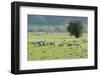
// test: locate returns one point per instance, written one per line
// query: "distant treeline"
(51, 28)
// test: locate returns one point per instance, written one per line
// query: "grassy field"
(49, 52)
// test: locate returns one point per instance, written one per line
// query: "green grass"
(49, 52)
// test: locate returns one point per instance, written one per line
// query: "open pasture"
(56, 46)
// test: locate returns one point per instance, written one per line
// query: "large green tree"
(75, 28)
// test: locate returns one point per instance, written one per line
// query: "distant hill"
(53, 20)
(50, 23)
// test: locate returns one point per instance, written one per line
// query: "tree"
(58, 29)
(75, 28)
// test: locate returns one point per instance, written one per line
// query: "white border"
(26, 65)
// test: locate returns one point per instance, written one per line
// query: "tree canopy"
(75, 28)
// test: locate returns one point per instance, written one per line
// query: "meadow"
(53, 52)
